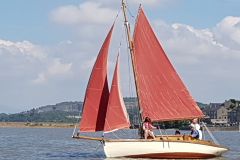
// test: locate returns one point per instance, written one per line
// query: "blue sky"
(47, 47)
(28, 20)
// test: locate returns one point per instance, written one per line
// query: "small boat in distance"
(161, 94)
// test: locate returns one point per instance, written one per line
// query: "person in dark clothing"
(177, 133)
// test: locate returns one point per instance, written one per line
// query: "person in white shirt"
(197, 127)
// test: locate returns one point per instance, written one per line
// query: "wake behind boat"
(162, 96)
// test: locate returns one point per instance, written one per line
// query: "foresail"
(163, 96)
(97, 93)
(117, 116)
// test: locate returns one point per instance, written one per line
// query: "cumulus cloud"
(26, 61)
(95, 11)
(149, 3)
(24, 48)
(135, 3)
(193, 45)
(58, 68)
(87, 13)
(228, 32)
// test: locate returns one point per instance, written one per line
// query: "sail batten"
(163, 95)
(97, 93)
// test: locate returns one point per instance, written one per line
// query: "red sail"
(163, 96)
(117, 116)
(97, 93)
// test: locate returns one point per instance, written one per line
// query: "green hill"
(66, 112)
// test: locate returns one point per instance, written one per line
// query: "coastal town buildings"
(217, 113)
(232, 116)
(223, 113)
(238, 112)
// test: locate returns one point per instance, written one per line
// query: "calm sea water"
(57, 144)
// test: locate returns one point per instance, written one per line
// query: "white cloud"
(58, 68)
(148, 3)
(228, 32)
(135, 3)
(65, 42)
(41, 79)
(24, 48)
(192, 45)
(87, 13)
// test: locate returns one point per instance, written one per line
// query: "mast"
(132, 57)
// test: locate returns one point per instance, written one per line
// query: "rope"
(130, 86)
(213, 138)
(133, 18)
(166, 135)
(203, 133)
(115, 135)
(117, 15)
(98, 146)
(160, 133)
(76, 123)
(110, 131)
(129, 70)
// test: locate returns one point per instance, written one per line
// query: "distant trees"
(60, 111)
(51, 116)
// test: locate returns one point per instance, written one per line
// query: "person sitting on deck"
(194, 132)
(147, 128)
(177, 133)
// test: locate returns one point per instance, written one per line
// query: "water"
(57, 144)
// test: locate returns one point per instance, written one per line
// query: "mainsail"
(117, 116)
(162, 94)
(97, 93)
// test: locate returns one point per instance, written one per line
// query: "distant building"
(233, 107)
(238, 113)
(228, 103)
(217, 112)
(232, 116)
(73, 116)
(216, 104)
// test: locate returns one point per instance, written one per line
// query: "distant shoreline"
(72, 125)
(36, 125)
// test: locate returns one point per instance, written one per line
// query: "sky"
(48, 48)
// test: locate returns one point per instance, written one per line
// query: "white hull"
(159, 149)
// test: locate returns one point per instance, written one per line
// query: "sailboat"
(161, 94)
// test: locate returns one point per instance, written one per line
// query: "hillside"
(201, 105)
(49, 113)
(66, 112)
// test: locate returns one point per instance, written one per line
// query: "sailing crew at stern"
(197, 127)
(147, 128)
(194, 132)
